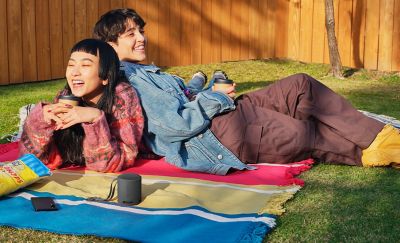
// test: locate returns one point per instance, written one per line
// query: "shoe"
(202, 74)
(384, 150)
(220, 74)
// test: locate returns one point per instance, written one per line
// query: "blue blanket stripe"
(77, 216)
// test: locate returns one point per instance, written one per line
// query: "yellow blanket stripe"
(173, 192)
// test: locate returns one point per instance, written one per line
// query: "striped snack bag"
(21, 173)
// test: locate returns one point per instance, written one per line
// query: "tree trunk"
(334, 56)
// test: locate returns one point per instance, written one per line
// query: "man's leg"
(261, 135)
(302, 97)
(294, 118)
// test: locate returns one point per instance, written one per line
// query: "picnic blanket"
(177, 205)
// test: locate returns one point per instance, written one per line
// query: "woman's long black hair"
(70, 141)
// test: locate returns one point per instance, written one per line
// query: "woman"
(104, 131)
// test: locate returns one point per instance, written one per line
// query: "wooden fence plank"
(268, 28)
(56, 39)
(234, 31)
(151, 32)
(396, 37)
(281, 33)
(141, 8)
(29, 64)
(3, 44)
(129, 4)
(43, 40)
(114, 4)
(306, 26)
(14, 36)
(68, 27)
(318, 32)
(165, 38)
(254, 30)
(196, 28)
(92, 9)
(358, 32)
(175, 29)
(80, 20)
(244, 30)
(187, 35)
(105, 6)
(294, 30)
(215, 39)
(263, 29)
(206, 30)
(226, 30)
(371, 35)
(344, 34)
(386, 35)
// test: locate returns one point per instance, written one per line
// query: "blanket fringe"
(255, 233)
(275, 204)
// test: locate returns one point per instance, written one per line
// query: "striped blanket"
(177, 205)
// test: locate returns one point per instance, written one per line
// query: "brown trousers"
(294, 119)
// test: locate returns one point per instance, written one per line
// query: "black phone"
(43, 204)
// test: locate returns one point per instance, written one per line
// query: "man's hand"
(230, 91)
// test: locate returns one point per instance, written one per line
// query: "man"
(290, 120)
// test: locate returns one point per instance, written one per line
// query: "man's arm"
(175, 121)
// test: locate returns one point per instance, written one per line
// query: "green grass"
(337, 204)
(14, 96)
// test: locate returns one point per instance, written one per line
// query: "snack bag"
(20, 173)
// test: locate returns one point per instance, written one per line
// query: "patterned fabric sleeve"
(36, 138)
(114, 147)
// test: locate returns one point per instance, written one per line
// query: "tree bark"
(334, 56)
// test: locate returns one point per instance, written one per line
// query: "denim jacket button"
(201, 136)
(219, 156)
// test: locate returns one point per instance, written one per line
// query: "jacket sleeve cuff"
(36, 117)
(98, 131)
(214, 102)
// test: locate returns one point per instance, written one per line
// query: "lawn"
(337, 204)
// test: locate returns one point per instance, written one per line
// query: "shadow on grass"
(369, 208)
(244, 87)
(380, 100)
(349, 72)
(343, 204)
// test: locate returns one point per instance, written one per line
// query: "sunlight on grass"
(15, 96)
(343, 204)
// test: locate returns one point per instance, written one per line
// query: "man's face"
(131, 44)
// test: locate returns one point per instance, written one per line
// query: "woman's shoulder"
(126, 92)
(124, 87)
(126, 101)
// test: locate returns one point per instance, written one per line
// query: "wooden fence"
(37, 34)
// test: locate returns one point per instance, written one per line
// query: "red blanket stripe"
(279, 175)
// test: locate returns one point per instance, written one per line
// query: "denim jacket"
(178, 128)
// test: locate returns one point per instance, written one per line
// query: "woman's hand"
(50, 117)
(68, 115)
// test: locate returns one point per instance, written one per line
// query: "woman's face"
(83, 76)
